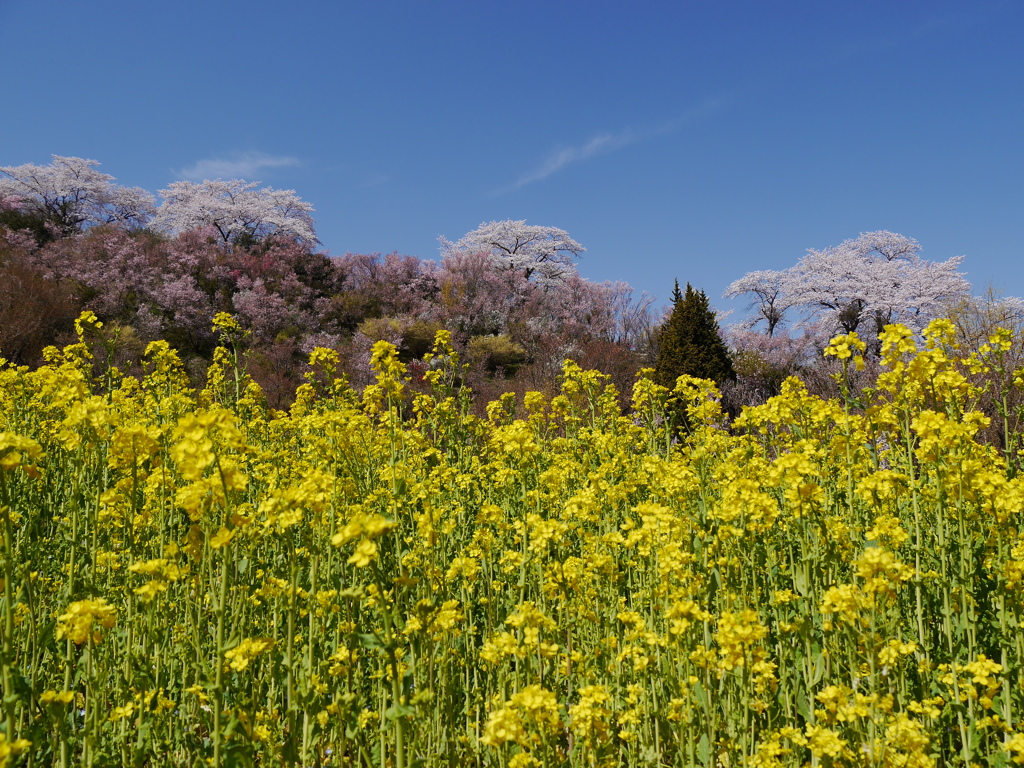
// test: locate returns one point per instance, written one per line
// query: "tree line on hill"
(71, 239)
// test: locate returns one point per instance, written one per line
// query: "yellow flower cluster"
(83, 619)
(392, 576)
(589, 717)
(737, 636)
(240, 657)
(160, 571)
(11, 749)
(18, 451)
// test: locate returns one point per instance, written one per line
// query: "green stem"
(218, 689)
(8, 641)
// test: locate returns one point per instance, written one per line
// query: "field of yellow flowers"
(383, 579)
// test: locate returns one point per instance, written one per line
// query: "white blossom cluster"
(72, 195)
(862, 284)
(542, 254)
(235, 208)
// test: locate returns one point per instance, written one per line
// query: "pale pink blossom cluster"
(236, 209)
(71, 194)
(862, 284)
(543, 254)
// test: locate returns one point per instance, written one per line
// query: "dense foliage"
(367, 581)
(690, 343)
(289, 299)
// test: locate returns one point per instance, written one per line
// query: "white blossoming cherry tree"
(71, 195)
(544, 255)
(877, 278)
(236, 209)
(862, 284)
(767, 286)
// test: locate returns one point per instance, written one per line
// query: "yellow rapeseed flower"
(57, 697)
(880, 570)
(83, 619)
(736, 635)
(239, 657)
(9, 749)
(504, 725)
(18, 451)
(1015, 746)
(364, 554)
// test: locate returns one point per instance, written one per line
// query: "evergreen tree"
(689, 343)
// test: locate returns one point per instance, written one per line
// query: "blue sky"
(698, 140)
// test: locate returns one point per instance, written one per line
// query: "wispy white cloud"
(236, 165)
(610, 142)
(559, 159)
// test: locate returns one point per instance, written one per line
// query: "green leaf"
(703, 750)
(229, 729)
(701, 694)
(800, 581)
(46, 635)
(802, 704)
(370, 640)
(399, 710)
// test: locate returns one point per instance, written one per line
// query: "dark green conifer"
(689, 343)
